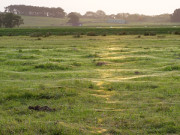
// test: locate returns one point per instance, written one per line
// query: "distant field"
(30, 21)
(108, 85)
(55, 26)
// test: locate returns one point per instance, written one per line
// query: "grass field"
(85, 30)
(33, 21)
(36, 21)
(97, 85)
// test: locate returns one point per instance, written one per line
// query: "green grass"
(91, 31)
(33, 21)
(134, 91)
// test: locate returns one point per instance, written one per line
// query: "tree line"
(175, 17)
(59, 13)
(11, 17)
(35, 11)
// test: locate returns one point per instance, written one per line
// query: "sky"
(147, 7)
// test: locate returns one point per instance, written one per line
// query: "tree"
(10, 20)
(78, 14)
(1, 20)
(95, 15)
(175, 17)
(35, 11)
(101, 14)
(17, 21)
(90, 14)
(122, 16)
(73, 19)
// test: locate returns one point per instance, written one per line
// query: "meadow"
(110, 84)
(94, 31)
(36, 21)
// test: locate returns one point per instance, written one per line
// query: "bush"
(177, 33)
(10, 20)
(139, 36)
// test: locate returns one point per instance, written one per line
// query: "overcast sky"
(148, 7)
